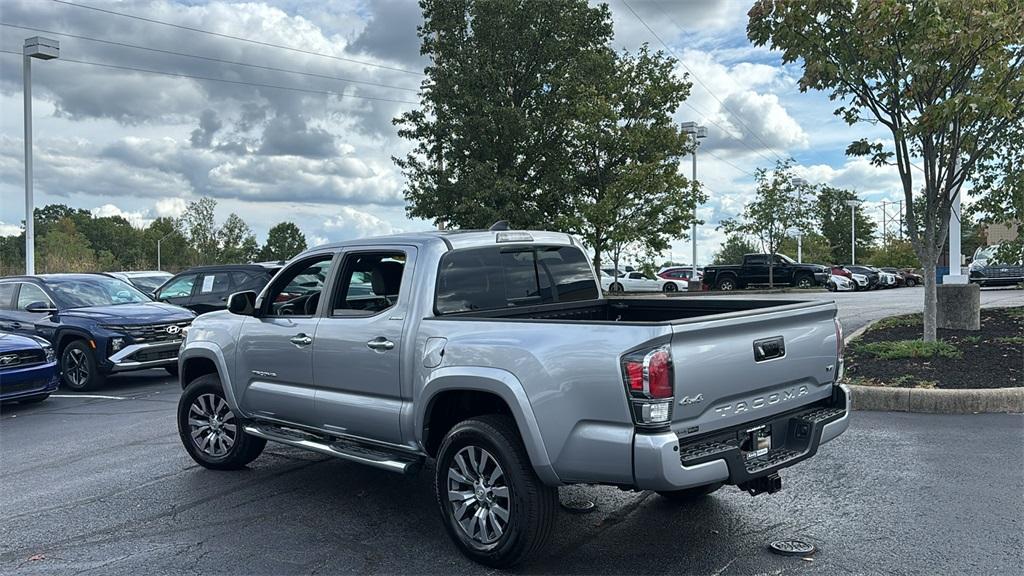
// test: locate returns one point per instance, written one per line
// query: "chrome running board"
(351, 451)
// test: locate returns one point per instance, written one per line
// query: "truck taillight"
(648, 379)
(840, 350)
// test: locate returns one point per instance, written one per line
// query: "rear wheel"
(492, 503)
(615, 287)
(78, 368)
(804, 281)
(690, 494)
(727, 284)
(670, 287)
(831, 286)
(211, 434)
(911, 282)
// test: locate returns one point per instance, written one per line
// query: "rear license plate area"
(755, 442)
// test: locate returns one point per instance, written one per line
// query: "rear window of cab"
(496, 277)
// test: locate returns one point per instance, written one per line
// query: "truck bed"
(630, 310)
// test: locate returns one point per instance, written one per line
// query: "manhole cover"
(579, 506)
(791, 547)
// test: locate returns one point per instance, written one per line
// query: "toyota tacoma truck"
(755, 270)
(493, 353)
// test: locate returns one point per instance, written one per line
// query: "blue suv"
(97, 324)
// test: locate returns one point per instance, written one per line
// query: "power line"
(225, 80)
(706, 88)
(207, 58)
(720, 159)
(238, 38)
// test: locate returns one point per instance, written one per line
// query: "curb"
(929, 401)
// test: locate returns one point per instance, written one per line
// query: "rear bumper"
(29, 381)
(660, 462)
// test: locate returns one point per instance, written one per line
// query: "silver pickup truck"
(495, 354)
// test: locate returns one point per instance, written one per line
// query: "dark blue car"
(28, 369)
(97, 324)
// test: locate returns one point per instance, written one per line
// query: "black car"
(870, 273)
(206, 288)
(96, 324)
(756, 269)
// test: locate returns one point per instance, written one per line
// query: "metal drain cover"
(579, 506)
(792, 547)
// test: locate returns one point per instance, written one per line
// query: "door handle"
(301, 340)
(16, 325)
(380, 344)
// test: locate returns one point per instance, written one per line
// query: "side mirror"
(40, 308)
(242, 303)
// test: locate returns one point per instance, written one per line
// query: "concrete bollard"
(958, 306)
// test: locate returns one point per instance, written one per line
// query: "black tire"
(532, 506)
(911, 282)
(615, 287)
(804, 281)
(243, 448)
(831, 286)
(34, 399)
(172, 369)
(670, 287)
(690, 494)
(727, 284)
(78, 369)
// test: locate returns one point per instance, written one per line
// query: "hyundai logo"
(8, 360)
(173, 329)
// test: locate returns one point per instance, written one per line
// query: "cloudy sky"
(139, 144)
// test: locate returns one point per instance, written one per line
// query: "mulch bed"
(987, 361)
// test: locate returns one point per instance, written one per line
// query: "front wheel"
(727, 284)
(615, 287)
(911, 282)
(211, 434)
(670, 287)
(78, 368)
(804, 282)
(492, 504)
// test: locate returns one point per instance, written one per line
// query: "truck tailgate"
(735, 368)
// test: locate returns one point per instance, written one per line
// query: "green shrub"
(907, 349)
(898, 321)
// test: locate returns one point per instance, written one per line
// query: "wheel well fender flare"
(210, 352)
(501, 383)
(66, 334)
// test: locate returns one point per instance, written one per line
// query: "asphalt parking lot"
(102, 486)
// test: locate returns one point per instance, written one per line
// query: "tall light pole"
(43, 49)
(695, 132)
(853, 229)
(800, 184)
(166, 236)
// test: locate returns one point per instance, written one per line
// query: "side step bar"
(362, 454)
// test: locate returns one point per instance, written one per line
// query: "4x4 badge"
(687, 400)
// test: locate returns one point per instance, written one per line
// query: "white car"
(886, 279)
(631, 282)
(837, 283)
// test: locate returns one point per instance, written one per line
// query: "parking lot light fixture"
(800, 184)
(853, 229)
(696, 132)
(43, 49)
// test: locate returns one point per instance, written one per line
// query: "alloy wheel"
(212, 425)
(76, 368)
(479, 497)
(804, 283)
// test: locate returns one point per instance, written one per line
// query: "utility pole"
(43, 49)
(158, 248)
(955, 275)
(853, 229)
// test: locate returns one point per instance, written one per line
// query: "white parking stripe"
(87, 396)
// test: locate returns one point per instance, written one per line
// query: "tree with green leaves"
(199, 226)
(833, 221)
(814, 246)
(733, 249)
(895, 254)
(237, 242)
(623, 184)
(284, 241)
(65, 249)
(945, 77)
(779, 205)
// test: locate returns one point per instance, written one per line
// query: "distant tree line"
(74, 240)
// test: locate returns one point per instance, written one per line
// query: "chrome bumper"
(657, 466)
(124, 359)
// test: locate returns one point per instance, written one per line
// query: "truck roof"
(455, 239)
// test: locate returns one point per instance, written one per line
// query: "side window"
(297, 291)
(757, 261)
(239, 280)
(369, 283)
(31, 293)
(179, 288)
(636, 276)
(214, 283)
(6, 295)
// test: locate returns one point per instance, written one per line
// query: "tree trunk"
(771, 272)
(930, 300)
(597, 261)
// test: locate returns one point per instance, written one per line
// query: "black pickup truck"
(754, 270)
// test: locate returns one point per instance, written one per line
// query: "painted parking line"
(87, 396)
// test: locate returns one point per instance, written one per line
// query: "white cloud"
(9, 229)
(351, 223)
(137, 219)
(170, 207)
